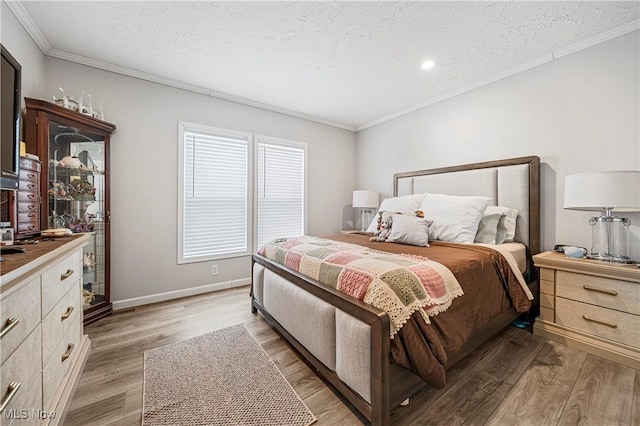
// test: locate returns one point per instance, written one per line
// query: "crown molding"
(24, 18)
(556, 54)
(597, 39)
(32, 29)
(106, 66)
(460, 90)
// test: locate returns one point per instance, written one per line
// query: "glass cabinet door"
(77, 198)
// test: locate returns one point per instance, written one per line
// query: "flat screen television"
(10, 77)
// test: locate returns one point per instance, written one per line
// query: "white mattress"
(519, 251)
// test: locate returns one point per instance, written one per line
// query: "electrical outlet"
(214, 269)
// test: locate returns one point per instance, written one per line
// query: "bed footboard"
(345, 340)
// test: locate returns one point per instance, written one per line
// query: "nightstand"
(590, 305)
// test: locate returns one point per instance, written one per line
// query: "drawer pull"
(31, 207)
(31, 186)
(13, 389)
(608, 324)
(67, 354)
(31, 196)
(31, 175)
(600, 290)
(66, 274)
(11, 322)
(67, 314)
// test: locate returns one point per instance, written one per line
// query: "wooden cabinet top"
(558, 261)
(17, 266)
(69, 114)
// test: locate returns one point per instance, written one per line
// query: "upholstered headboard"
(513, 183)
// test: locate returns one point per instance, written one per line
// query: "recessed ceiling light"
(427, 64)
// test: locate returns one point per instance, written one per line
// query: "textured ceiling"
(351, 63)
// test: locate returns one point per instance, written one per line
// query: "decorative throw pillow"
(407, 204)
(510, 219)
(488, 229)
(455, 218)
(411, 230)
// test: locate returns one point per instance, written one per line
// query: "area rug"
(220, 378)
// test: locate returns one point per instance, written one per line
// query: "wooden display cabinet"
(74, 188)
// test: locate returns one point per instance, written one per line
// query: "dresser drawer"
(29, 175)
(27, 217)
(58, 365)
(59, 320)
(25, 414)
(615, 294)
(28, 227)
(28, 185)
(614, 325)
(23, 366)
(57, 281)
(27, 196)
(23, 305)
(29, 164)
(28, 207)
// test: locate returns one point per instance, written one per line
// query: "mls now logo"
(23, 413)
(16, 413)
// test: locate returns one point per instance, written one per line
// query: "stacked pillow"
(497, 226)
(407, 204)
(457, 219)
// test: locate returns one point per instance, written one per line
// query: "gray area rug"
(220, 378)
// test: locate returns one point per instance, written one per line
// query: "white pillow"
(455, 218)
(407, 204)
(412, 230)
(488, 229)
(510, 219)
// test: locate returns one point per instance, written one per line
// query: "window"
(280, 189)
(214, 193)
(217, 192)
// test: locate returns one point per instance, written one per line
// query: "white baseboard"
(170, 295)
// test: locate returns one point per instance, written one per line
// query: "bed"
(377, 358)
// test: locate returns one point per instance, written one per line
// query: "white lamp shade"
(616, 190)
(365, 199)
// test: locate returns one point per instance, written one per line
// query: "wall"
(144, 162)
(579, 113)
(16, 40)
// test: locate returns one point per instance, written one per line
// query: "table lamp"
(610, 192)
(365, 200)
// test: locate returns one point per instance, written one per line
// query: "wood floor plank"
(503, 370)
(539, 396)
(635, 412)
(602, 395)
(516, 352)
(470, 400)
(419, 404)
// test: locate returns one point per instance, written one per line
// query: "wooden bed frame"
(389, 383)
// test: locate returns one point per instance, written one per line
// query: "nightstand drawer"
(613, 325)
(615, 294)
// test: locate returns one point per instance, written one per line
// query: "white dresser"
(43, 349)
(590, 305)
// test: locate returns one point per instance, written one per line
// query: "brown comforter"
(490, 289)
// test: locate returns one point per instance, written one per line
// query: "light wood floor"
(516, 378)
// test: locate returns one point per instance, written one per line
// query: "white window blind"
(214, 194)
(281, 203)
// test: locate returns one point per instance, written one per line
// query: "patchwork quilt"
(398, 284)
